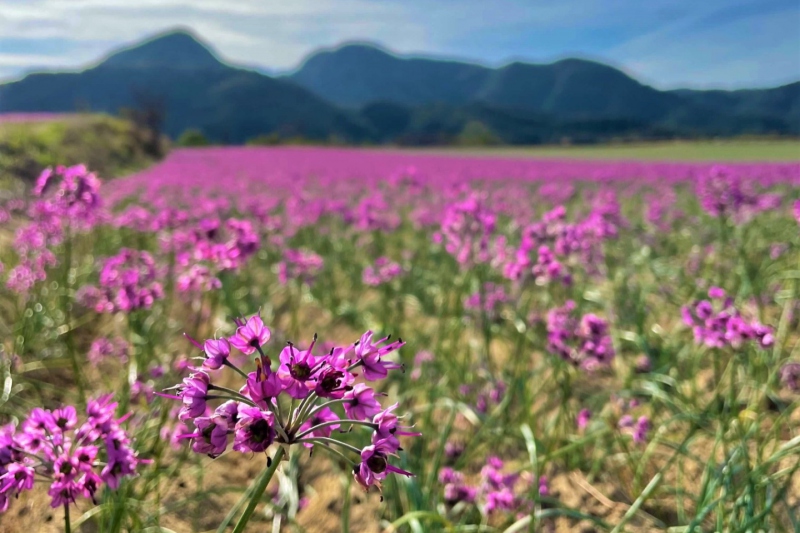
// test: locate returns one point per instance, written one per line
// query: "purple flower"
(121, 461)
(362, 404)
(263, 384)
(193, 393)
(217, 352)
(641, 430)
(583, 418)
(455, 490)
(375, 465)
(18, 477)
(388, 429)
(250, 336)
(717, 323)
(297, 370)
(211, 437)
(370, 355)
(544, 488)
(332, 382)
(383, 271)
(323, 416)
(53, 446)
(254, 430)
(301, 265)
(103, 348)
(128, 281)
(583, 342)
(258, 414)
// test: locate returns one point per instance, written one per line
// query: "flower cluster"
(76, 459)
(488, 301)
(374, 213)
(259, 413)
(225, 246)
(555, 241)
(496, 490)
(638, 429)
(72, 193)
(303, 265)
(383, 271)
(104, 348)
(584, 342)
(466, 231)
(723, 193)
(68, 198)
(659, 209)
(127, 283)
(548, 269)
(716, 323)
(197, 279)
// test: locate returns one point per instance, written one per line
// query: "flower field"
(324, 340)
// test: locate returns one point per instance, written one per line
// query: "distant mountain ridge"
(363, 93)
(359, 74)
(196, 89)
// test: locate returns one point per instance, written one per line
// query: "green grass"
(729, 150)
(110, 146)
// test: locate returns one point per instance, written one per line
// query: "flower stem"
(326, 404)
(234, 398)
(67, 525)
(263, 481)
(333, 423)
(229, 391)
(234, 368)
(329, 441)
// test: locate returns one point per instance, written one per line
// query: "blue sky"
(669, 44)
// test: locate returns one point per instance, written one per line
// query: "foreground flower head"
(264, 410)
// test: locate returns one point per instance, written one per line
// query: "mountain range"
(363, 93)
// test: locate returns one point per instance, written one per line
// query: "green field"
(738, 150)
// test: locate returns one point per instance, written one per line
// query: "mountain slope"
(355, 75)
(783, 101)
(195, 89)
(362, 93)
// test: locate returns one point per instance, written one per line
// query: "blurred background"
(404, 73)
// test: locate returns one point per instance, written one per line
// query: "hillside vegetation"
(108, 145)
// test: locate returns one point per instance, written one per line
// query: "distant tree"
(148, 115)
(192, 137)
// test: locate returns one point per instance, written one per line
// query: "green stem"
(67, 305)
(67, 525)
(329, 441)
(259, 491)
(235, 369)
(346, 505)
(333, 423)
